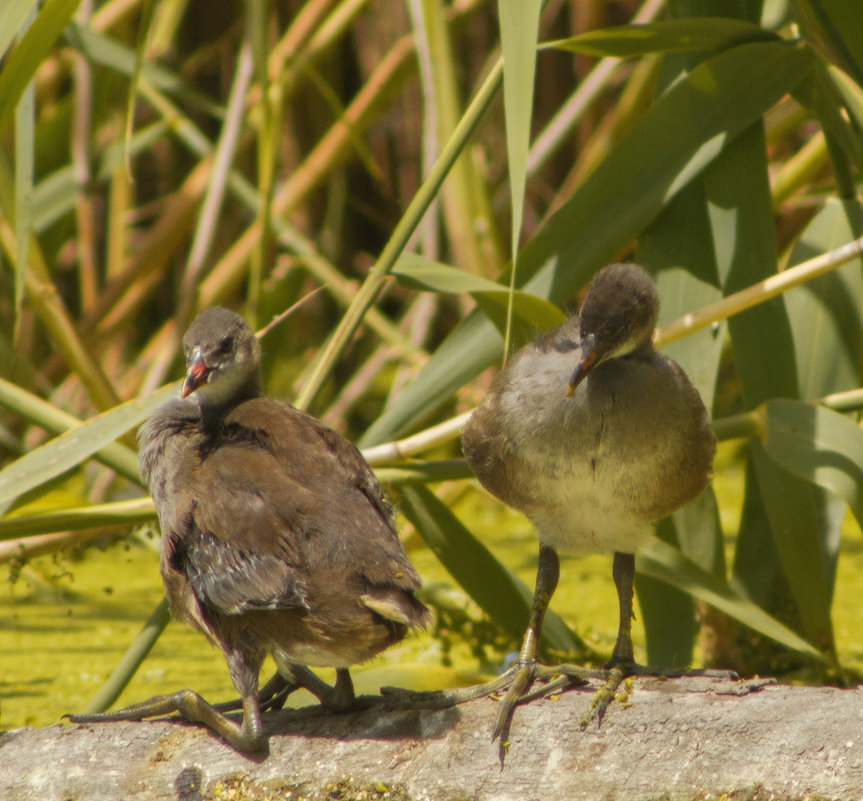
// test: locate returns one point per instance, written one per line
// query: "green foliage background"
(160, 157)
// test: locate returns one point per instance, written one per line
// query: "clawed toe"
(530, 680)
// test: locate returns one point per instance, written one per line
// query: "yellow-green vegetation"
(158, 158)
(66, 622)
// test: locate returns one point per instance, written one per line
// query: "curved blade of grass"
(32, 408)
(836, 28)
(13, 15)
(677, 137)
(30, 52)
(825, 313)
(420, 273)
(519, 29)
(500, 594)
(852, 93)
(131, 513)
(24, 165)
(818, 94)
(664, 562)
(820, 446)
(76, 445)
(667, 36)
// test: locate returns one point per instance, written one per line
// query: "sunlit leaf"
(820, 446)
(420, 273)
(73, 447)
(662, 561)
(519, 27)
(125, 513)
(32, 408)
(13, 14)
(825, 314)
(29, 52)
(666, 36)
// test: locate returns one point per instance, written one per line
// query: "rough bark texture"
(675, 739)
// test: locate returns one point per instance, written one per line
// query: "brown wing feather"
(263, 514)
(352, 526)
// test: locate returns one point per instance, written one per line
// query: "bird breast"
(593, 471)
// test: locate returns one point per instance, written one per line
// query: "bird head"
(223, 359)
(618, 317)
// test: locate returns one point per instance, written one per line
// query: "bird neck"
(215, 408)
(639, 343)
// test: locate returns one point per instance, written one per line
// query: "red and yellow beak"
(196, 375)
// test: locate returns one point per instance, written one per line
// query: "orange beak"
(195, 376)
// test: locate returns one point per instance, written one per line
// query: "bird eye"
(226, 344)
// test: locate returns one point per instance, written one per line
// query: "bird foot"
(517, 684)
(614, 677)
(618, 671)
(247, 738)
(527, 680)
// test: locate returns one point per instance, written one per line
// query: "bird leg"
(272, 696)
(247, 738)
(342, 696)
(526, 670)
(622, 664)
(623, 573)
(519, 677)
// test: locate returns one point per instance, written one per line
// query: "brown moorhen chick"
(276, 537)
(594, 436)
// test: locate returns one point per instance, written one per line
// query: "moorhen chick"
(594, 436)
(276, 537)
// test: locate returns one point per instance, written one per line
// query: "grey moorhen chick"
(594, 436)
(276, 537)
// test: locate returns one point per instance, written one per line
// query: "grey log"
(676, 739)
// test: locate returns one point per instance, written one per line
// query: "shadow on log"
(674, 739)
